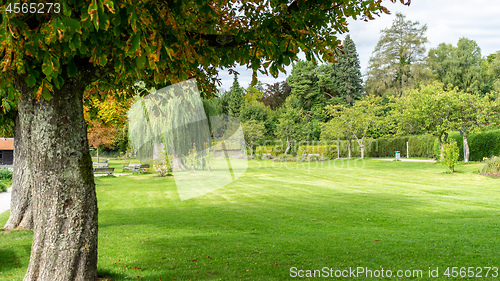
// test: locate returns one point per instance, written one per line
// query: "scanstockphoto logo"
(169, 128)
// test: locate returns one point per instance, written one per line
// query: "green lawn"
(371, 214)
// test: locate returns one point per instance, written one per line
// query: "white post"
(407, 151)
(338, 148)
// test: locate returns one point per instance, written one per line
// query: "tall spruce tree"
(397, 61)
(304, 83)
(342, 81)
(235, 98)
(307, 94)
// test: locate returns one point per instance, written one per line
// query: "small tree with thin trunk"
(335, 129)
(359, 119)
(252, 130)
(292, 122)
(100, 134)
(472, 111)
(430, 110)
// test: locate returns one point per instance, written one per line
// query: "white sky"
(447, 21)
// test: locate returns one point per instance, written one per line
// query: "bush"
(285, 158)
(450, 154)
(5, 174)
(492, 166)
(3, 187)
(315, 158)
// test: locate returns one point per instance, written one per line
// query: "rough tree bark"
(21, 214)
(63, 191)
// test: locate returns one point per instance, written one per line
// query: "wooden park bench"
(104, 170)
(136, 167)
(101, 164)
(141, 168)
(130, 166)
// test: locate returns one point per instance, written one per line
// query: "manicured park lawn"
(371, 214)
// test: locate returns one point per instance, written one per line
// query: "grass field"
(335, 214)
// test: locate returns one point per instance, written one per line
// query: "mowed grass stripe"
(386, 214)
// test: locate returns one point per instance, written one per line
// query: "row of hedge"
(419, 146)
(481, 144)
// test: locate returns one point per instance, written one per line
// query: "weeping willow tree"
(171, 120)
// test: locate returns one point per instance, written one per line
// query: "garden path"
(5, 200)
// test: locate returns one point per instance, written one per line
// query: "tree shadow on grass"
(9, 260)
(210, 241)
(107, 275)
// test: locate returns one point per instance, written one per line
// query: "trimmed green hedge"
(486, 144)
(482, 144)
(418, 146)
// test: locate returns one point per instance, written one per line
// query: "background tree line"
(408, 91)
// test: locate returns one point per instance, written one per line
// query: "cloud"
(447, 21)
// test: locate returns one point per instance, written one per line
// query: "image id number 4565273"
(33, 8)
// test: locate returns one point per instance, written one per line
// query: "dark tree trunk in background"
(21, 214)
(63, 191)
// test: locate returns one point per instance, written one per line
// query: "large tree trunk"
(466, 147)
(63, 190)
(21, 202)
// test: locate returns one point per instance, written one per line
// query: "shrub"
(450, 154)
(452, 136)
(492, 166)
(315, 158)
(3, 187)
(285, 158)
(5, 174)
(278, 149)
